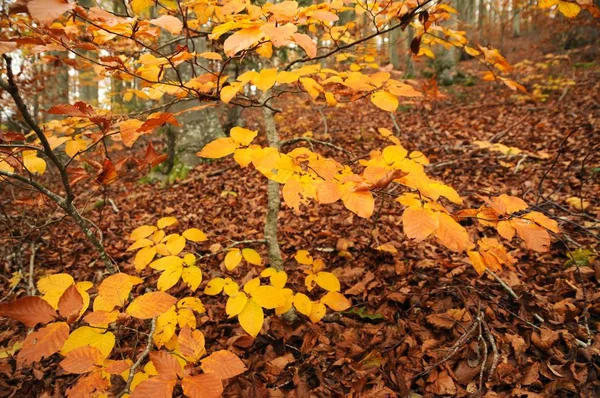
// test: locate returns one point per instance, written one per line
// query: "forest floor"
(422, 321)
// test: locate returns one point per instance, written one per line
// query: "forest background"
(428, 224)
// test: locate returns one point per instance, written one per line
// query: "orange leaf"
(43, 343)
(306, 43)
(451, 234)
(82, 360)
(29, 310)
(419, 223)
(535, 237)
(151, 305)
(206, 385)
(241, 40)
(90, 385)
(168, 23)
(543, 220)
(506, 230)
(70, 303)
(223, 364)
(166, 363)
(361, 203)
(328, 192)
(47, 11)
(191, 343)
(160, 386)
(505, 204)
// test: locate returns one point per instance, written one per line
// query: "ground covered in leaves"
(422, 321)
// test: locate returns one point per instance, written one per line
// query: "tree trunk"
(273, 195)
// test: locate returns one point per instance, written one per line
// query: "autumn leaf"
(159, 386)
(46, 11)
(223, 364)
(90, 336)
(191, 344)
(43, 343)
(150, 305)
(82, 360)
(166, 363)
(168, 23)
(206, 385)
(385, 100)
(70, 303)
(419, 223)
(336, 301)
(218, 148)
(251, 318)
(29, 310)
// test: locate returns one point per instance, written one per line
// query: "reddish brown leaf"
(89, 386)
(70, 303)
(29, 310)
(108, 173)
(157, 121)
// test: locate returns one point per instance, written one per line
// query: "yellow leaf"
(194, 235)
(251, 256)
(166, 324)
(336, 301)
(242, 136)
(53, 287)
(192, 276)
(89, 336)
(193, 303)
(166, 222)
(233, 259)
(547, 3)
(251, 285)
(141, 7)
(385, 100)
(144, 257)
(211, 55)
(268, 297)
(150, 305)
(169, 277)
(303, 304)
(402, 90)
(214, 287)
(251, 318)
(569, 9)
(328, 281)
(317, 312)
(419, 223)
(175, 244)
(303, 257)
(279, 279)
(285, 77)
(166, 263)
(578, 203)
(387, 247)
(236, 304)
(142, 232)
(265, 79)
(218, 148)
(32, 163)
(140, 244)
(330, 98)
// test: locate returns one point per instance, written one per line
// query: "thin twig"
(138, 362)
(31, 276)
(492, 341)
